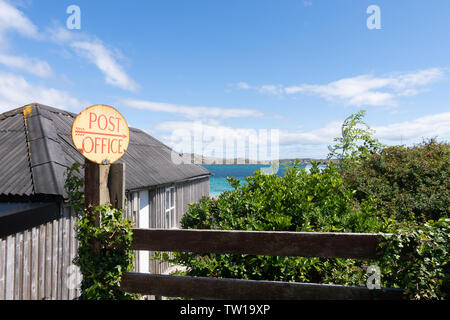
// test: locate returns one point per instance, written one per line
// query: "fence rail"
(316, 244)
(304, 244)
(232, 289)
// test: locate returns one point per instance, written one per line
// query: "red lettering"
(112, 145)
(112, 124)
(120, 146)
(92, 120)
(96, 144)
(103, 144)
(84, 145)
(106, 122)
(118, 124)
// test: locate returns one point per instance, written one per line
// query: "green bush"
(404, 183)
(298, 201)
(356, 140)
(417, 259)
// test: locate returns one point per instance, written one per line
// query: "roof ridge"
(25, 110)
(47, 161)
(19, 110)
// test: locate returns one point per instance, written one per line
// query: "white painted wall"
(144, 223)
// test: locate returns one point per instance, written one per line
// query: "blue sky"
(236, 67)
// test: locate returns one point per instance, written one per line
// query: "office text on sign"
(101, 134)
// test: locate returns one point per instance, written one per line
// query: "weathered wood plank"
(73, 281)
(96, 184)
(18, 265)
(66, 258)
(10, 261)
(60, 254)
(315, 244)
(48, 260)
(2, 268)
(54, 270)
(41, 277)
(34, 263)
(71, 275)
(116, 185)
(78, 278)
(26, 265)
(223, 289)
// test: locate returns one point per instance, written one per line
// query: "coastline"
(204, 160)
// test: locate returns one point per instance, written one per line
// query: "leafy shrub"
(298, 201)
(356, 140)
(417, 258)
(404, 183)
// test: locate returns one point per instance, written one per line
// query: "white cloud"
(437, 125)
(191, 112)
(423, 127)
(352, 91)
(211, 137)
(271, 89)
(242, 85)
(104, 59)
(96, 52)
(13, 19)
(315, 142)
(15, 92)
(373, 91)
(363, 90)
(60, 35)
(268, 89)
(31, 65)
(319, 136)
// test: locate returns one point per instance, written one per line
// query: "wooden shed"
(37, 240)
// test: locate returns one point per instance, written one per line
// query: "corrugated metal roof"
(36, 148)
(15, 171)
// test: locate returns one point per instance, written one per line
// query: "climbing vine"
(417, 259)
(102, 270)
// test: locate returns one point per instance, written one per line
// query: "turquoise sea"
(218, 182)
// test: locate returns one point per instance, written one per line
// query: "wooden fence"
(36, 263)
(324, 245)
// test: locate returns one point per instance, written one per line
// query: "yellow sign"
(101, 134)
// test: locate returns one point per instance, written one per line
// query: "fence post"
(103, 184)
(116, 185)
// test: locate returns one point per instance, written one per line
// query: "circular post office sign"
(101, 134)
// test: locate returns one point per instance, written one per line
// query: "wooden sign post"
(101, 134)
(104, 184)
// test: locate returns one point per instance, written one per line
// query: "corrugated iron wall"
(36, 264)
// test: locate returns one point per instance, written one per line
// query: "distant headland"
(204, 160)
